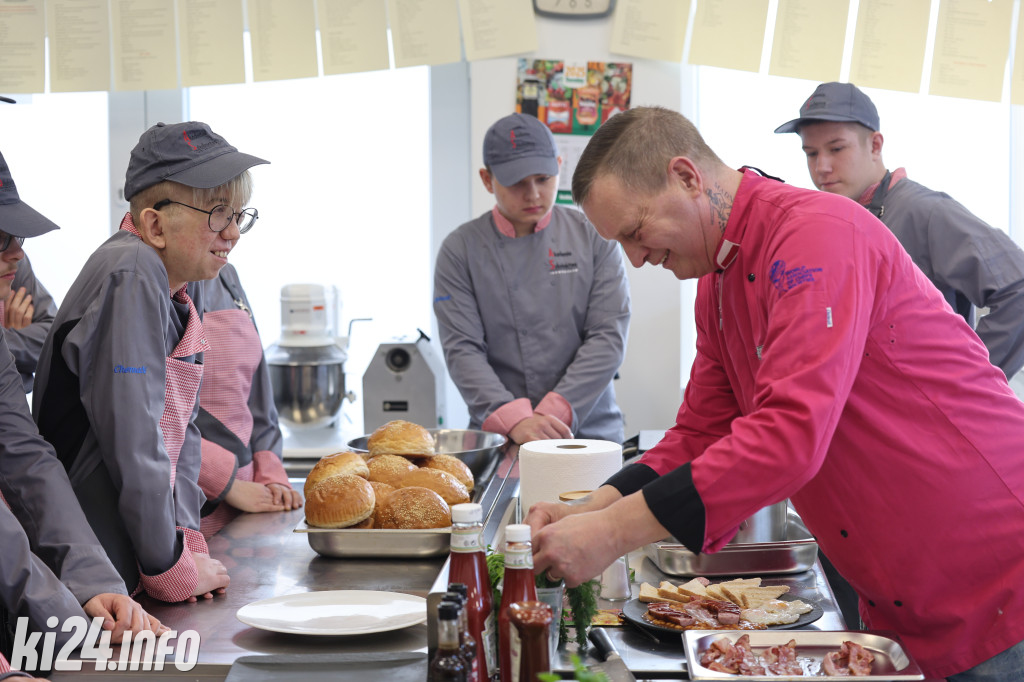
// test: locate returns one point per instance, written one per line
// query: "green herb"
(495, 572)
(582, 600)
(580, 672)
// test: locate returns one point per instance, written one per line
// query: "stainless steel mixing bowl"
(476, 448)
(308, 383)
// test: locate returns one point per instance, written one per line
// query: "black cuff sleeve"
(631, 478)
(675, 502)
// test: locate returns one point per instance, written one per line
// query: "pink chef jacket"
(830, 371)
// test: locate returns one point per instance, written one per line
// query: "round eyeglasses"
(221, 216)
(6, 239)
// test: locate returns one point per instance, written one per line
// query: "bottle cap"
(517, 532)
(459, 588)
(453, 597)
(467, 513)
(447, 611)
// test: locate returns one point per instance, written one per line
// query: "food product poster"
(572, 99)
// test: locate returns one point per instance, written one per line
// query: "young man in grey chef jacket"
(532, 304)
(116, 390)
(973, 264)
(52, 565)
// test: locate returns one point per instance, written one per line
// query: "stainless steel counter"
(265, 559)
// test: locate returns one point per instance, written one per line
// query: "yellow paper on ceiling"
(424, 32)
(283, 39)
(729, 33)
(353, 35)
(497, 28)
(889, 43)
(972, 42)
(145, 55)
(809, 38)
(22, 35)
(79, 45)
(211, 46)
(650, 29)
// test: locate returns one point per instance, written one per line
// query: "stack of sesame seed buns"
(401, 483)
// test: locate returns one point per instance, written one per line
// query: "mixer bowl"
(308, 384)
(475, 448)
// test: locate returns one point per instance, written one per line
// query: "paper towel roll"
(550, 467)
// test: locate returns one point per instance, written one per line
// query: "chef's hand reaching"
(120, 614)
(18, 309)
(539, 427)
(580, 546)
(255, 497)
(543, 513)
(213, 577)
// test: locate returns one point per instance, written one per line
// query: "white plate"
(335, 612)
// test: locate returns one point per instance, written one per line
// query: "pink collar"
(896, 176)
(506, 227)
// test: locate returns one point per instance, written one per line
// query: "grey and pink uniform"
(116, 393)
(237, 417)
(534, 323)
(42, 530)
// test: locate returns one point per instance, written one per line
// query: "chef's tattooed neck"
(721, 203)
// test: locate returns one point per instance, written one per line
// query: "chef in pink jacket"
(829, 371)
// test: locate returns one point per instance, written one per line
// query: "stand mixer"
(307, 363)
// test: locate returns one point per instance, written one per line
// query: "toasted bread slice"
(734, 592)
(754, 597)
(671, 592)
(694, 588)
(715, 592)
(751, 582)
(649, 595)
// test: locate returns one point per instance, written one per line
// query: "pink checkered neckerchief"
(194, 339)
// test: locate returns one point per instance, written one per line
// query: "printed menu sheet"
(729, 34)
(211, 46)
(22, 35)
(650, 29)
(889, 44)
(283, 39)
(353, 35)
(79, 45)
(145, 54)
(809, 38)
(497, 28)
(972, 42)
(424, 32)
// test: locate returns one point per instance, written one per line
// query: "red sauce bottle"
(531, 619)
(518, 586)
(468, 565)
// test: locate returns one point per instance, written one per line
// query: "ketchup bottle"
(468, 565)
(518, 586)
(531, 620)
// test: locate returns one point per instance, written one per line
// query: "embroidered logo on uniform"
(121, 369)
(188, 141)
(785, 279)
(443, 298)
(558, 266)
(512, 138)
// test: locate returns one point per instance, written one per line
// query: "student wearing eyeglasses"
(26, 307)
(52, 565)
(117, 386)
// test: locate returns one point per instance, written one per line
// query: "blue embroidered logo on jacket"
(784, 279)
(121, 369)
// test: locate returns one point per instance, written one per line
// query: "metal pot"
(767, 525)
(308, 384)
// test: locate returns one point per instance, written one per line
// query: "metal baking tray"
(891, 662)
(377, 542)
(795, 554)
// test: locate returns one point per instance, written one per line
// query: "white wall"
(649, 387)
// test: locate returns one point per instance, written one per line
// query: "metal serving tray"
(891, 662)
(795, 554)
(377, 542)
